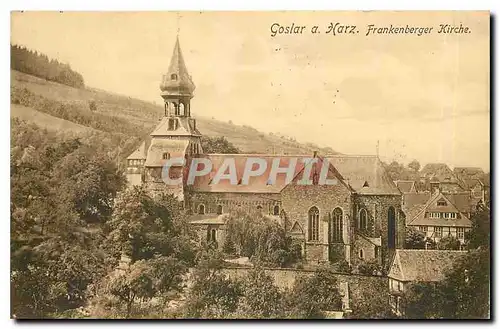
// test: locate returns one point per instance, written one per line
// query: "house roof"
(423, 265)
(416, 216)
(462, 201)
(405, 186)
(467, 172)
(139, 153)
(375, 241)
(440, 171)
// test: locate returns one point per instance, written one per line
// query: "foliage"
(370, 267)
(479, 235)
(38, 64)
(262, 239)
(92, 106)
(218, 145)
(414, 165)
(143, 280)
(212, 295)
(262, 299)
(423, 301)
(414, 239)
(313, 295)
(143, 227)
(449, 243)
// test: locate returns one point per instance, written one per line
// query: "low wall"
(365, 291)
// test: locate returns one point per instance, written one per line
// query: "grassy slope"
(145, 114)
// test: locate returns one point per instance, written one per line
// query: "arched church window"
(313, 224)
(181, 109)
(391, 228)
(336, 225)
(259, 207)
(363, 219)
(173, 76)
(201, 209)
(276, 210)
(219, 210)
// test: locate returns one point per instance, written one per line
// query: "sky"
(421, 97)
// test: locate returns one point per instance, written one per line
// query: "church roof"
(184, 126)
(363, 174)
(423, 265)
(177, 80)
(139, 154)
(176, 149)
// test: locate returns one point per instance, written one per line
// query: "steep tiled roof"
(176, 148)
(440, 171)
(468, 172)
(360, 171)
(416, 217)
(413, 199)
(462, 201)
(184, 127)
(406, 186)
(139, 154)
(423, 265)
(364, 174)
(256, 184)
(177, 80)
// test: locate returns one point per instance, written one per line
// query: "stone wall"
(362, 288)
(234, 202)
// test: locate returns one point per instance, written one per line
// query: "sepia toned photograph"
(250, 165)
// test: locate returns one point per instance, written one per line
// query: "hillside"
(132, 117)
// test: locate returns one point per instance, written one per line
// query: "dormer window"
(173, 76)
(166, 156)
(442, 202)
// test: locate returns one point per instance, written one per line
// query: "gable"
(395, 271)
(296, 228)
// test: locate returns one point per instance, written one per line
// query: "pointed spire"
(177, 81)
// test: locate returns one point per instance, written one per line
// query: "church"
(357, 220)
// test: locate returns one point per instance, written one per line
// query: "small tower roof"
(177, 80)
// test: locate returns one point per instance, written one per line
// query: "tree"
(414, 166)
(449, 243)
(479, 235)
(262, 299)
(218, 145)
(424, 301)
(370, 268)
(310, 297)
(212, 294)
(143, 280)
(414, 239)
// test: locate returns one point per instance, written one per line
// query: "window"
(276, 210)
(219, 210)
(313, 224)
(166, 156)
(435, 215)
(377, 251)
(259, 207)
(441, 202)
(453, 215)
(446, 231)
(460, 233)
(438, 231)
(363, 225)
(201, 209)
(361, 254)
(422, 229)
(173, 76)
(172, 124)
(336, 226)
(211, 235)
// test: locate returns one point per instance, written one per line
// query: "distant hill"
(116, 114)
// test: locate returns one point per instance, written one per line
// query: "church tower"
(176, 136)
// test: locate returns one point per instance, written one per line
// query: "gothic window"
(336, 225)
(361, 255)
(391, 228)
(173, 76)
(313, 224)
(219, 210)
(276, 210)
(211, 235)
(259, 207)
(201, 209)
(363, 219)
(166, 156)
